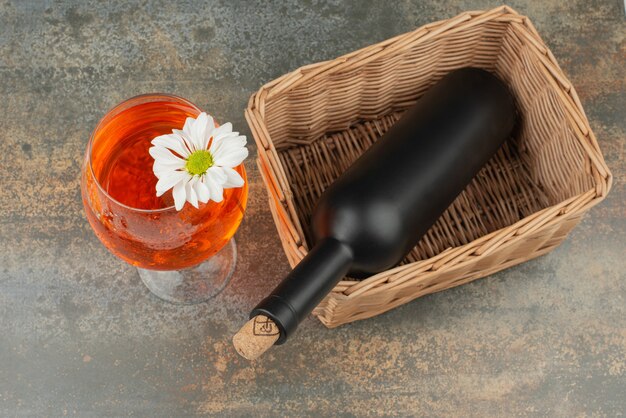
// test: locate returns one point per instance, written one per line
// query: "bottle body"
(379, 208)
(389, 198)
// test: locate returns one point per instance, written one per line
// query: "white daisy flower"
(197, 162)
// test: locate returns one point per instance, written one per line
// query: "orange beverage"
(119, 196)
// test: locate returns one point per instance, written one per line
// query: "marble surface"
(80, 334)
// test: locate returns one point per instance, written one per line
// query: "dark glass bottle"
(378, 210)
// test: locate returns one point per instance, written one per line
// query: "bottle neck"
(305, 287)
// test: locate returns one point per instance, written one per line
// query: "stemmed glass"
(184, 256)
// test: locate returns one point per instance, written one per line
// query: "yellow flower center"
(199, 162)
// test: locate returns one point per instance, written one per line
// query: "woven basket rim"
(255, 115)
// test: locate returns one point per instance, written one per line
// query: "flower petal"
(168, 181)
(218, 145)
(173, 142)
(179, 194)
(229, 155)
(222, 134)
(217, 191)
(191, 193)
(210, 128)
(164, 155)
(160, 167)
(169, 164)
(204, 195)
(223, 130)
(217, 174)
(233, 179)
(186, 137)
(188, 124)
(198, 130)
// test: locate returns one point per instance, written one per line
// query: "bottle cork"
(256, 337)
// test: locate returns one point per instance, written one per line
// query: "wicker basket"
(311, 124)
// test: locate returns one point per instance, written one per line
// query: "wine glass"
(184, 256)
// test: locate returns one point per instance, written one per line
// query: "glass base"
(196, 284)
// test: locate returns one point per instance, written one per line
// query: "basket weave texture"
(311, 124)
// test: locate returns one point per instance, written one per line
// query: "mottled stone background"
(81, 335)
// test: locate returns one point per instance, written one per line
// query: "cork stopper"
(256, 337)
